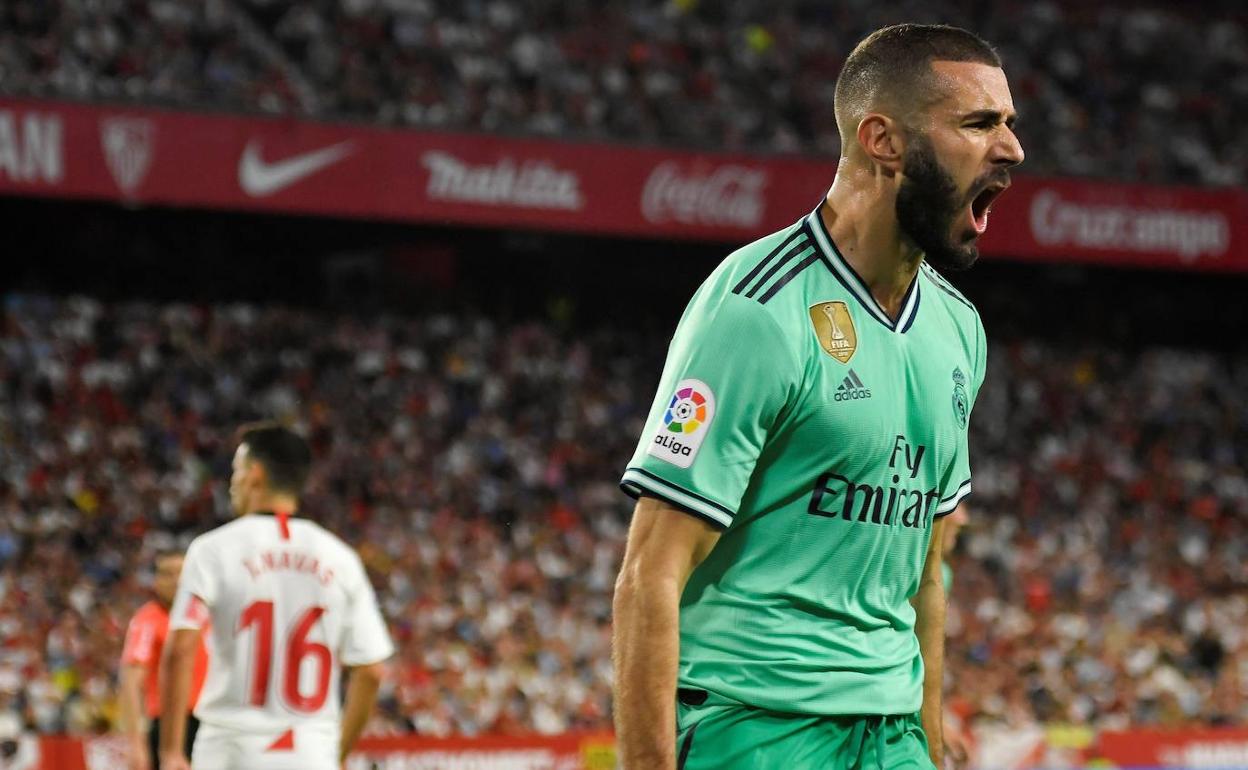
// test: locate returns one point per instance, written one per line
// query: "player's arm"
(197, 590)
(130, 709)
(137, 655)
(365, 648)
(730, 371)
(177, 663)
(663, 548)
(362, 685)
(929, 626)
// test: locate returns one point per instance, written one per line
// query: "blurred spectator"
(182, 52)
(1150, 92)
(1100, 580)
(474, 466)
(1103, 580)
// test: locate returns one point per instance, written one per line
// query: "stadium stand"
(473, 462)
(1114, 90)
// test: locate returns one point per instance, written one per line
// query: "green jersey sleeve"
(730, 372)
(957, 482)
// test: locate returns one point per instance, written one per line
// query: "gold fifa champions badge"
(834, 328)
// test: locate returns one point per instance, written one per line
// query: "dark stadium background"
(571, 280)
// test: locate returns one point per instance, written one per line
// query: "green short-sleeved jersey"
(824, 438)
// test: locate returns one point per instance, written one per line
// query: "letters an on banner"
(232, 162)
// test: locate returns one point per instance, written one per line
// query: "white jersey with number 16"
(290, 605)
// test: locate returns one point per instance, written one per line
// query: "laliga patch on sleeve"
(684, 424)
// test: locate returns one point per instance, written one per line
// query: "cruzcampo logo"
(961, 405)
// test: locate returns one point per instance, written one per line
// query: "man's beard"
(928, 206)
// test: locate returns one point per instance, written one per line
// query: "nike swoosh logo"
(259, 179)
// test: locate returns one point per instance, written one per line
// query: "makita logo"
(533, 184)
(851, 388)
(724, 195)
(893, 504)
(1189, 234)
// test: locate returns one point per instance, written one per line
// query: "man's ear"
(883, 141)
(257, 474)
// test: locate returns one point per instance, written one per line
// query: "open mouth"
(981, 204)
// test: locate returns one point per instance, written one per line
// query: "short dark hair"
(285, 455)
(895, 63)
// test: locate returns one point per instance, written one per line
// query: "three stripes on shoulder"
(795, 252)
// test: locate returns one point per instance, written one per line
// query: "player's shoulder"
(151, 611)
(946, 296)
(762, 270)
(230, 538)
(222, 535)
(326, 539)
(762, 287)
(322, 533)
(961, 314)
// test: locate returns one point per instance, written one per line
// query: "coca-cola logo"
(1187, 233)
(729, 195)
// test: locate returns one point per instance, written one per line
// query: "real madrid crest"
(961, 405)
(834, 328)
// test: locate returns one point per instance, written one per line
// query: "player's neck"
(860, 216)
(272, 503)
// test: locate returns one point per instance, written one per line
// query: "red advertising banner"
(1192, 749)
(1033, 747)
(1126, 225)
(997, 749)
(558, 752)
(146, 156)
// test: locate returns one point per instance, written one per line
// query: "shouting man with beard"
(781, 603)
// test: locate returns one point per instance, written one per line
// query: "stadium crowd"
(1167, 81)
(1101, 579)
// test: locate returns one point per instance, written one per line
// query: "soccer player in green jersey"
(780, 603)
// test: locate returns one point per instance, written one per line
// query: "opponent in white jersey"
(290, 605)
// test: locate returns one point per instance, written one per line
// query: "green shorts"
(714, 733)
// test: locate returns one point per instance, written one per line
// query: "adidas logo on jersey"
(851, 388)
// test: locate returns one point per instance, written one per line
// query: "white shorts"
(219, 748)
